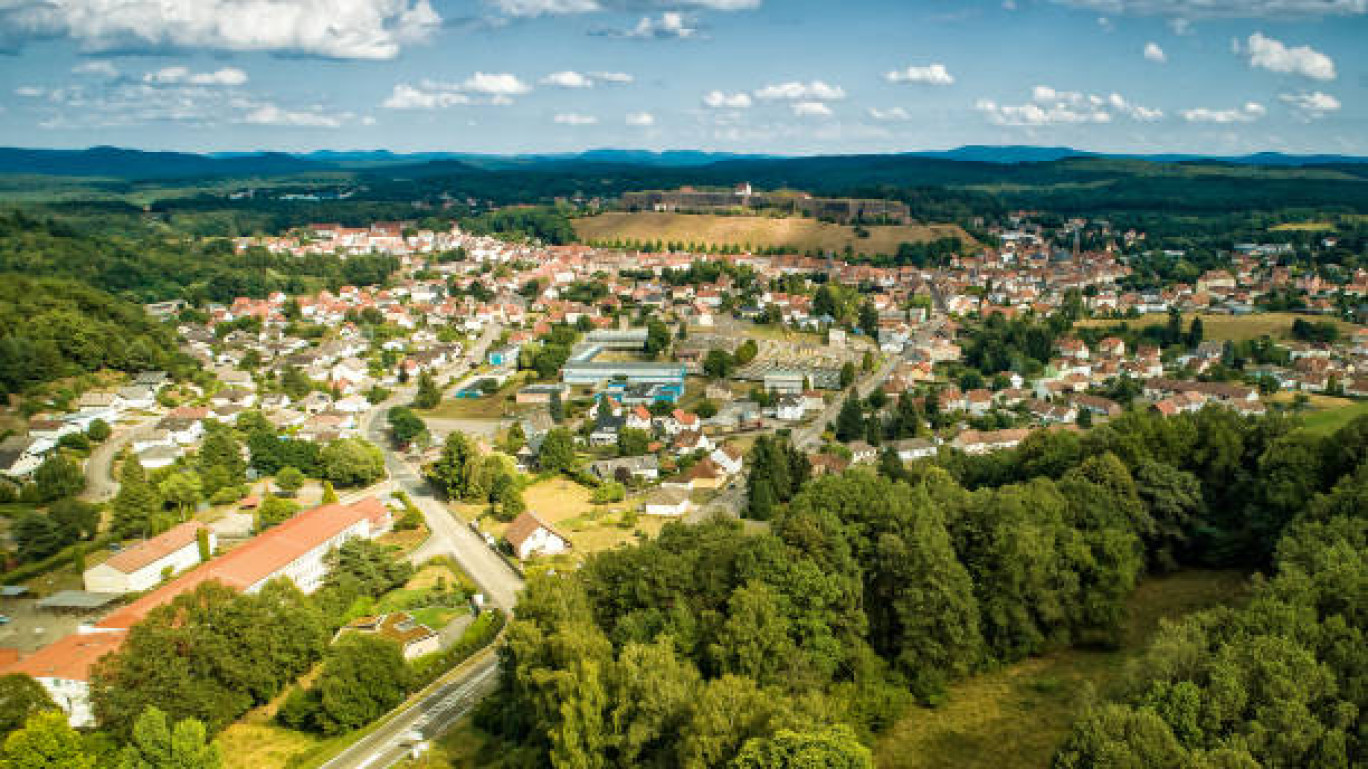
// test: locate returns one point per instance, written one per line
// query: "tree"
(847, 375)
(405, 426)
(352, 462)
(20, 697)
(45, 742)
(609, 491)
(364, 677)
(329, 494)
(156, 745)
(850, 424)
(75, 519)
(515, 440)
(746, 352)
(834, 748)
(136, 502)
(99, 431)
(182, 489)
(428, 394)
(448, 473)
(632, 442)
(869, 319)
(657, 337)
(289, 480)
(274, 511)
(202, 544)
(58, 477)
(220, 459)
(1195, 332)
(718, 364)
(36, 537)
(557, 451)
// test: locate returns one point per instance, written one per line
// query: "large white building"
(296, 549)
(142, 566)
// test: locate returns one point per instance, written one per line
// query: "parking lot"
(30, 628)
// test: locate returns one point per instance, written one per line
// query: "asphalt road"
(430, 717)
(809, 436)
(100, 482)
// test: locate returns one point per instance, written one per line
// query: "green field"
(798, 234)
(1326, 421)
(1230, 327)
(1018, 716)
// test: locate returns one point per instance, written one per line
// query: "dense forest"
(869, 592)
(53, 328)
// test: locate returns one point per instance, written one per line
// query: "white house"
(789, 409)
(671, 502)
(729, 458)
(530, 536)
(144, 565)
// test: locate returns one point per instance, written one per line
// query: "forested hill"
(52, 328)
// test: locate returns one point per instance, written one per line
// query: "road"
(100, 482)
(431, 716)
(809, 436)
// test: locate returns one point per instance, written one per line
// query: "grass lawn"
(565, 505)
(1233, 327)
(1018, 716)
(1326, 421)
(494, 406)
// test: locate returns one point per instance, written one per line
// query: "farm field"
(758, 231)
(1229, 327)
(1018, 716)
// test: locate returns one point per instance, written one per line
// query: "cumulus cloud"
(1311, 105)
(1225, 9)
(501, 84)
(481, 87)
(574, 118)
(1050, 106)
(407, 97)
(274, 115)
(176, 75)
(339, 29)
(1267, 53)
(810, 109)
(795, 91)
(641, 119)
(1154, 53)
(1247, 114)
(671, 25)
(931, 74)
(723, 100)
(565, 7)
(572, 79)
(891, 115)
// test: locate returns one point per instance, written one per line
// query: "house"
(702, 475)
(20, 456)
(862, 452)
(639, 418)
(529, 536)
(413, 638)
(789, 408)
(606, 428)
(138, 396)
(785, 382)
(911, 449)
(729, 458)
(635, 467)
(63, 669)
(142, 566)
(671, 502)
(690, 441)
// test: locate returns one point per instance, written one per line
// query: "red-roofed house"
(141, 567)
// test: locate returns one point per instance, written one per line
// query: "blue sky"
(773, 76)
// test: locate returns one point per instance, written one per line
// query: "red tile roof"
(156, 548)
(70, 657)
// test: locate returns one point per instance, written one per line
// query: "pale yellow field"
(795, 233)
(1233, 327)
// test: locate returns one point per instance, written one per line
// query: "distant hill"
(135, 164)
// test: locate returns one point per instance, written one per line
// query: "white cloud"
(572, 79)
(274, 115)
(565, 7)
(811, 109)
(932, 74)
(407, 97)
(30, 91)
(1225, 9)
(670, 25)
(722, 100)
(1247, 114)
(891, 115)
(340, 29)
(501, 84)
(1154, 53)
(573, 118)
(641, 119)
(568, 79)
(177, 75)
(1050, 106)
(96, 68)
(1311, 105)
(796, 91)
(1267, 53)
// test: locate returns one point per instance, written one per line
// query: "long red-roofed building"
(295, 549)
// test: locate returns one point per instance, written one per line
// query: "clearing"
(1019, 715)
(565, 505)
(798, 234)
(1229, 327)
(1327, 413)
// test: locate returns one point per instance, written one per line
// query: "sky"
(789, 77)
